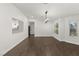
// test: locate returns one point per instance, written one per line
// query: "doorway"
(31, 29)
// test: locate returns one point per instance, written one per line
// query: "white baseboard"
(4, 52)
(43, 36)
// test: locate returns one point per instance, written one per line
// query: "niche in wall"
(73, 28)
(56, 26)
(17, 25)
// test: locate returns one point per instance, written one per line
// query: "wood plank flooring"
(44, 46)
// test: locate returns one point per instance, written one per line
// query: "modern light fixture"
(46, 18)
(46, 13)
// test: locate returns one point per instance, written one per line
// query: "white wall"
(75, 39)
(64, 29)
(42, 29)
(7, 39)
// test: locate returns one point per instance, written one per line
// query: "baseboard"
(70, 42)
(42, 36)
(65, 40)
(13, 46)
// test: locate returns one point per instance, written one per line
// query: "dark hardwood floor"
(44, 46)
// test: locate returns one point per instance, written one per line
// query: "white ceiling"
(54, 9)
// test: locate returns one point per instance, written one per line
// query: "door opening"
(31, 29)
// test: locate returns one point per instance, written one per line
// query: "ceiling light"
(46, 18)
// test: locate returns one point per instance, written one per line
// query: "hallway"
(44, 46)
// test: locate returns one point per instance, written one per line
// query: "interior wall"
(42, 29)
(53, 28)
(7, 39)
(64, 29)
(71, 39)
